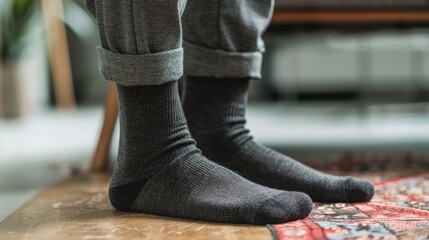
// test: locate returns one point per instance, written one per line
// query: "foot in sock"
(215, 111)
(161, 171)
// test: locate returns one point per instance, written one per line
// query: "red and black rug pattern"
(399, 209)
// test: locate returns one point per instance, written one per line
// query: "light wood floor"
(78, 208)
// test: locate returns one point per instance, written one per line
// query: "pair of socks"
(160, 170)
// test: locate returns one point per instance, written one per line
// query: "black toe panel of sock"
(273, 210)
(359, 190)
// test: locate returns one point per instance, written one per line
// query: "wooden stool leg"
(1, 66)
(58, 53)
(101, 154)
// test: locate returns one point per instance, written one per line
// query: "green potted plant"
(16, 19)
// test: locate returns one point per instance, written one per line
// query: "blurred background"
(352, 83)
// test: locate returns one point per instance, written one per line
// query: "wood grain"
(78, 208)
(348, 17)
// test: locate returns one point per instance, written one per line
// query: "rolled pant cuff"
(147, 69)
(206, 62)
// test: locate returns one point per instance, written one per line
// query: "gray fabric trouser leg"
(223, 38)
(141, 40)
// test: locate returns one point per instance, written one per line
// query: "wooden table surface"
(78, 208)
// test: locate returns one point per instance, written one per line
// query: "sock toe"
(359, 190)
(285, 207)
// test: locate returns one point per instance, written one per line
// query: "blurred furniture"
(101, 155)
(345, 17)
(348, 17)
(58, 53)
(1, 65)
(299, 12)
(351, 11)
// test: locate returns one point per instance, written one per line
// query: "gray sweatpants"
(151, 42)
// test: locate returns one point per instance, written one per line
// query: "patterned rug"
(399, 209)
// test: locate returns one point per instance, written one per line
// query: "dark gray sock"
(161, 171)
(215, 110)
